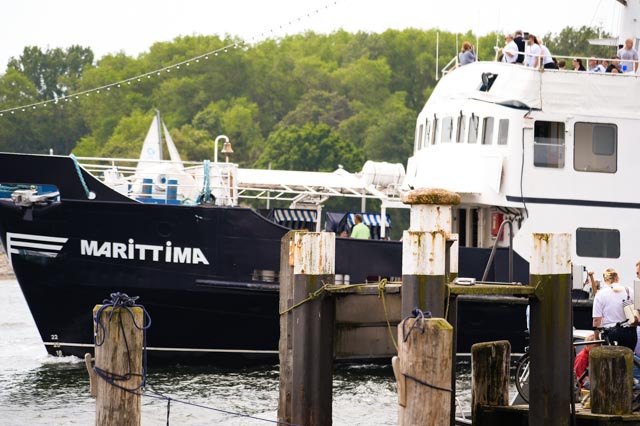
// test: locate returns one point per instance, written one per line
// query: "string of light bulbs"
(157, 72)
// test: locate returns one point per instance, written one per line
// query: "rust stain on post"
(431, 196)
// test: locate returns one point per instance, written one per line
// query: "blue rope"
(418, 324)
(11, 188)
(205, 195)
(79, 172)
(121, 301)
(158, 395)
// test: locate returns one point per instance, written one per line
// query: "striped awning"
(291, 215)
(370, 219)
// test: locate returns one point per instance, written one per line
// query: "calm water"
(38, 389)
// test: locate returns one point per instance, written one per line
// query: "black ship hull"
(195, 269)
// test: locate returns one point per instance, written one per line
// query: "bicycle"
(523, 363)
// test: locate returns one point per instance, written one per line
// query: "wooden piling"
(309, 345)
(284, 344)
(490, 364)
(611, 379)
(423, 372)
(551, 378)
(424, 250)
(120, 355)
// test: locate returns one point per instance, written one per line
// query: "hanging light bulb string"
(159, 71)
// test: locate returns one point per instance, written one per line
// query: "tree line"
(305, 102)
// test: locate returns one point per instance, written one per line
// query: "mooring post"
(423, 372)
(284, 346)
(490, 364)
(551, 330)
(310, 336)
(119, 356)
(611, 379)
(424, 250)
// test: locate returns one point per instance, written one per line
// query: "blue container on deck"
(147, 187)
(172, 189)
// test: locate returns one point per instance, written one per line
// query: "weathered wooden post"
(284, 344)
(611, 378)
(490, 363)
(309, 345)
(120, 355)
(551, 330)
(424, 250)
(423, 372)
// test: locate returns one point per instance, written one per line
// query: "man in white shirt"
(629, 57)
(594, 66)
(510, 50)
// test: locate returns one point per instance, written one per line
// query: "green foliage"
(309, 148)
(288, 101)
(53, 71)
(575, 42)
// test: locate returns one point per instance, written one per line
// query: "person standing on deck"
(510, 50)
(629, 57)
(360, 230)
(520, 43)
(467, 55)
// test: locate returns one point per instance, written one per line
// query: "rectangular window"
(596, 147)
(594, 242)
(434, 133)
(447, 129)
(487, 131)
(548, 144)
(462, 121)
(418, 138)
(427, 134)
(474, 123)
(503, 131)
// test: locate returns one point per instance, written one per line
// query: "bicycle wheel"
(522, 377)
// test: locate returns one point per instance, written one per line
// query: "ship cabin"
(554, 150)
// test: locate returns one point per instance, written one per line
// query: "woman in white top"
(533, 58)
(608, 309)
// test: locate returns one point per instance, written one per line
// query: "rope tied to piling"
(418, 324)
(429, 385)
(122, 302)
(381, 295)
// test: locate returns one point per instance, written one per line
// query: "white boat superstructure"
(554, 150)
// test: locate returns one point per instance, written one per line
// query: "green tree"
(53, 71)
(128, 136)
(390, 137)
(317, 107)
(575, 42)
(309, 148)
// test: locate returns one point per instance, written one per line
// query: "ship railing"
(453, 63)
(164, 180)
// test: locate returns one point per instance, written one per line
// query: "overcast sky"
(133, 26)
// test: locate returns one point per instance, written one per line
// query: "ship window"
(419, 137)
(503, 131)
(596, 147)
(487, 131)
(427, 134)
(474, 123)
(434, 132)
(548, 144)
(447, 129)
(593, 242)
(462, 121)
